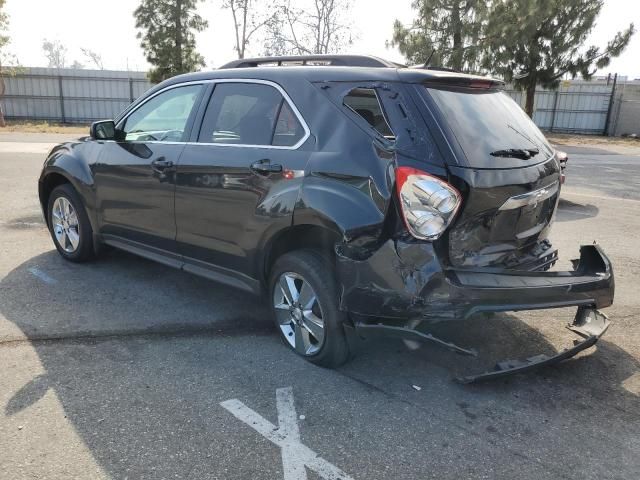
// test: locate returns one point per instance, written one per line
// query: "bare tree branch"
(318, 29)
(94, 57)
(247, 21)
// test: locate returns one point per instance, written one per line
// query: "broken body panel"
(496, 255)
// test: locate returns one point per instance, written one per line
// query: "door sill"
(190, 265)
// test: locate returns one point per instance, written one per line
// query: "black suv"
(361, 196)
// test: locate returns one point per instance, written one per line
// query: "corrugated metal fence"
(70, 95)
(578, 107)
(82, 96)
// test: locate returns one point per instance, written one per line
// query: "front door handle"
(265, 167)
(161, 164)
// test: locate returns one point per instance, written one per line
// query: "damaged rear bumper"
(406, 281)
(402, 282)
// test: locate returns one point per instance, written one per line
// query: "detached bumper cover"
(405, 280)
(589, 324)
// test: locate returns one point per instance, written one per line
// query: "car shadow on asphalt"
(122, 297)
(570, 211)
(122, 294)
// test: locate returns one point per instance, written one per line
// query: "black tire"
(310, 265)
(84, 251)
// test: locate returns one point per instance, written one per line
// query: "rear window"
(486, 122)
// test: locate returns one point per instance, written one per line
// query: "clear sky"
(107, 27)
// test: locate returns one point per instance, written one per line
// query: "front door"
(135, 176)
(241, 178)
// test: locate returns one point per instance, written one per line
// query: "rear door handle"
(265, 167)
(162, 164)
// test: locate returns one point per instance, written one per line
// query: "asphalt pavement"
(123, 368)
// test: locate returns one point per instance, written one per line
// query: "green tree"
(451, 30)
(168, 36)
(537, 42)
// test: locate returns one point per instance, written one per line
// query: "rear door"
(239, 180)
(135, 177)
(506, 170)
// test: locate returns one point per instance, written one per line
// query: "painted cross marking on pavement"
(295, 455)
(36, 272)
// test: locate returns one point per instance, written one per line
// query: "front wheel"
(69, 225)
(305, 308)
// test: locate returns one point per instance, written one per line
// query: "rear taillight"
(428, 204)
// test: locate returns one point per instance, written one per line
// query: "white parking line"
(42, 276)
(295, 455)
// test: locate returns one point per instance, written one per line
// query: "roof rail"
(313, 60)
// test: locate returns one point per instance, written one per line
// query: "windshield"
(492, 130)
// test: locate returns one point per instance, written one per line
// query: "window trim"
(285, 96)
(123, 120)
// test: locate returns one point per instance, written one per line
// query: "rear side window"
(249, 114)
(365, 103)
(288, 129)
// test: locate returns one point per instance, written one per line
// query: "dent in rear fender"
(348, 187)
(350, 177)
(401, 279)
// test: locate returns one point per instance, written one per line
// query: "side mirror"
(103, 130)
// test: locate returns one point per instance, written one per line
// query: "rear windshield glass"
(490, 122)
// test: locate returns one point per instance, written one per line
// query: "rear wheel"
(305, 308)
(69, 225)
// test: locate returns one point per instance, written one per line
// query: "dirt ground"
(43, 127)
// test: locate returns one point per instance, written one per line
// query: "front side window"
(164, 117)
(249, 114)
(365, 103)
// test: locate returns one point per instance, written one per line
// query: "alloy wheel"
(299, 313)
(65, 224)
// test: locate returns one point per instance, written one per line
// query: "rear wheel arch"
(300, 237)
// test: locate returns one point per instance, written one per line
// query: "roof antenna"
(426, 64)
